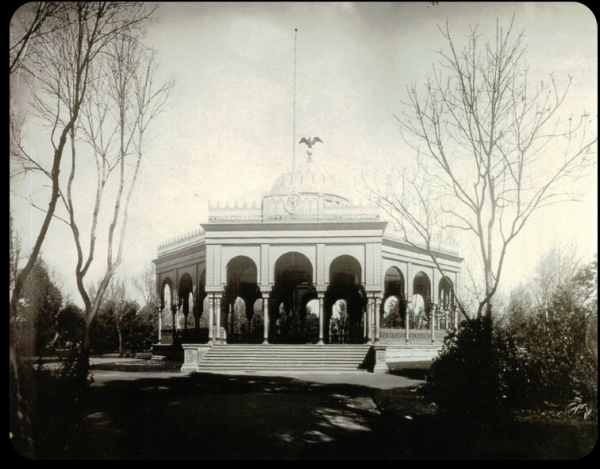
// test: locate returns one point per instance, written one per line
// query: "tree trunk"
(120, 340)
(83, 362)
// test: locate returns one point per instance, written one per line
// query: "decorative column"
(196, 313)
(366, 323)
(265, 319)
(231, 313)
(370, 321)
(160, 310)
(455, 310)
(173, 314)
(211, 310)
(321, 317)
(225, 321)
(432, 321)
(218, 339)
(408, 309)
(186, 312)
(446, 318)
(377, 318)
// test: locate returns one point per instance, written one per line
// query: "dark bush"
(467, 377)
(103, 334)
(551, 364)
(541, 364)
(139, 330)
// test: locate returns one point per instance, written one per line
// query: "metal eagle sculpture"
(309, 143)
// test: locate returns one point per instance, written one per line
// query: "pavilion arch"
(293, 281)
(293, 267)
(394, 287)
(167, 282)
(241, 268)
(422, 289)
(277, 255)
(201, 291)
(346, 268)
(231, 255)
(393, 313)
(345, 283)
(241, 292)
(348, 257)
(394, 283)
(445, 293)
(422, 286)
(184, 292)
(199, 303)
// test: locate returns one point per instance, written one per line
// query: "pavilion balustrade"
(415, 336)
(339, 338)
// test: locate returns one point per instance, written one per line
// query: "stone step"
(284, 357)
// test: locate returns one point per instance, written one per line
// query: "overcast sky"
(228, 132)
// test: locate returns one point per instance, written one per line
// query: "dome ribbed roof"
(308, 178)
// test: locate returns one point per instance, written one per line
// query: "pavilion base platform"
(304, 358)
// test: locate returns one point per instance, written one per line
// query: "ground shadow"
(243, 416)
(211, 416)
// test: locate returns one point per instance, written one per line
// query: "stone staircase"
(285, 358)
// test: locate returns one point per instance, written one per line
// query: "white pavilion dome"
(308, 178)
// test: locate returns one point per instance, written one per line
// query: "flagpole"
(294, 120)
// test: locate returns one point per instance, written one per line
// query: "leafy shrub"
(551, 362)
(467, 376)
(542, 365)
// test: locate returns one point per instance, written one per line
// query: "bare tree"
(57, 50)
(30, 27)
(555, 270)
(145, 284)
(491, 150)
(125, 98)
(116, 301)
(51, 51)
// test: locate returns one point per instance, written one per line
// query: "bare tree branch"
(491, 151)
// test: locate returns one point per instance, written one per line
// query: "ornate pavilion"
(305, 244)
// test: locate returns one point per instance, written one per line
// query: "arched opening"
(167, 308)
(204, 317)
(201, 331)
(392, 316)
(291, 292)
(345, 275)
(311, 323)
(445, 303)
(445, 293)
(241, 293)
(257, 322)
(338, 323)
(236, 321)
(421, 304)
(185, 294)
(394, 305)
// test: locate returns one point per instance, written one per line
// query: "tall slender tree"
(126, 98)
(491, 149)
